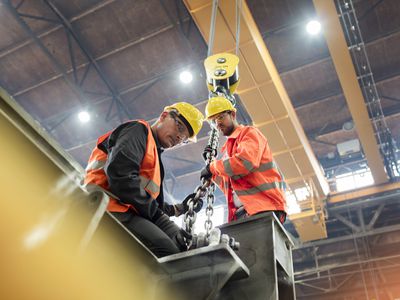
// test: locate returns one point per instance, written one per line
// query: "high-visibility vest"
(149, 173)
(247, 168)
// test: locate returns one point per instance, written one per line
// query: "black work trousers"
(153, 237)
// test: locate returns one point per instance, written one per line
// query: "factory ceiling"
(121, 60)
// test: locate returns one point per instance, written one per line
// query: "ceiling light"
(186, 77)
(84, 116)
(348, 126)
(313, 27)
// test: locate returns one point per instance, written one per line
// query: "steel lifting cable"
(238, 14)
(208, 187)
(212, 27)
(238, 6)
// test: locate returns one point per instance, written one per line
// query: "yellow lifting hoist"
(222, 80)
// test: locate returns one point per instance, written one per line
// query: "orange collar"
(234, 135)
(236, 132)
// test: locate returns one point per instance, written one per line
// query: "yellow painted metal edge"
(338, 49)
(37, 134)
(363, 192)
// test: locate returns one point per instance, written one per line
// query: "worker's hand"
(197, 206)
(206, 173)
(175, 233)
(180, 237)
(158, 214)
(183, 207)
(209, 150)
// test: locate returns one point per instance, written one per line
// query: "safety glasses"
(218, 118)
(181, 128)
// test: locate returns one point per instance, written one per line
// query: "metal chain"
(209, 209)
(210, 155)
(190, 215)
(206, 188)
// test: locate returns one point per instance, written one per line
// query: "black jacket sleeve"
(169, 209)
(126, 148)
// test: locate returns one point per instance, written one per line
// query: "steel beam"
(346, 222)
(357, 235)
(375, 217)
(346, 264)
(361, 219)
(363, 192)
(342, 61)
(350, 293)
(338, 274)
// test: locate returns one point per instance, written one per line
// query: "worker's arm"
(246, 159)
(181, 208)
(126, 148)
(169, 209)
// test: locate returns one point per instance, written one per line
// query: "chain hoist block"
(222, 73)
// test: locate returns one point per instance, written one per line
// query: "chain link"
(206, 189)
(209, 209)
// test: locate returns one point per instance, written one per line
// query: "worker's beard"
(228, 130)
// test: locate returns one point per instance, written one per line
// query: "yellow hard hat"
(191, 114)
(217, 105)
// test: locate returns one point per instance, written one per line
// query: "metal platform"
(195, 274)
(261, 269)
(266, 250)
(204, 271)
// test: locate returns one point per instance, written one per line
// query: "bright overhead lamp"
(84, 116)
(186, 77)
(348, 126)
(313, 27)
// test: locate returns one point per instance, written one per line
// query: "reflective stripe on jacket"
(247, 167)
(149, 173)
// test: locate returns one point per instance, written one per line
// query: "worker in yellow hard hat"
(246, 173)
(127, 162)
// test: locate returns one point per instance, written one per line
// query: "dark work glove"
(183, 207)
(207, 150)
(206, 173)
(175, 233)
(197, 207)
(180, 237)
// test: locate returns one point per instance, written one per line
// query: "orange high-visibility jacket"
(247, 168)
(150, 178)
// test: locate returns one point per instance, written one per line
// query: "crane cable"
(211, 36)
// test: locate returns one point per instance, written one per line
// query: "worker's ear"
(163, 115)
(233, 113)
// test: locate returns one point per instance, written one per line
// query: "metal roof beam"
(348, 79)
(120, 105)
(77, 89)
